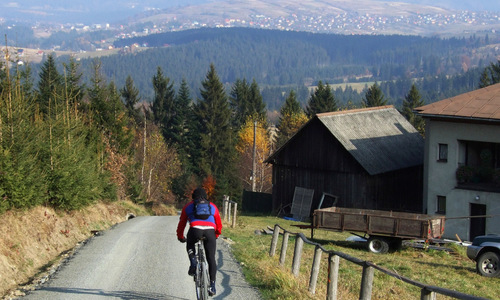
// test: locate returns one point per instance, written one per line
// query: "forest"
(280, 61)
(73, 132)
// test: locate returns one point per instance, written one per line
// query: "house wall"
(440, 178)
(460, 202)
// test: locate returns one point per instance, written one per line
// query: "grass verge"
(451, 270)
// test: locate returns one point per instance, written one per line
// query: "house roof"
(479, 104)
(379, 138)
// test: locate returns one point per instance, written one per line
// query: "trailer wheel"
(378, 244)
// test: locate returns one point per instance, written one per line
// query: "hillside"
(333, 16)
(34, 240)
(291, 59)
(94, 11)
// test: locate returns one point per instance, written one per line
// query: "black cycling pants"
(210, 244)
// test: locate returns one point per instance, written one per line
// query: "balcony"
(478, 179)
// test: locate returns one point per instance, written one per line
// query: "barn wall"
(315, 148)
(314, 159)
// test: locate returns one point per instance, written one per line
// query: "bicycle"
(201, 276)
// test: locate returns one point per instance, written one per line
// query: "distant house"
(462, 161)
(369, 158)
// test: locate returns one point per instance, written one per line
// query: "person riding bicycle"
(204, 221)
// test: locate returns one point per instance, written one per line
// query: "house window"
(441, 205)
(443, 152)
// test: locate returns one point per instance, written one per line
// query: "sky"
(98, 11)
(85, 11)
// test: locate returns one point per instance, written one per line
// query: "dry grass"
(438, 268)
(31, 240)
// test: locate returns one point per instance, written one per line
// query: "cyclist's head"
(198, 193)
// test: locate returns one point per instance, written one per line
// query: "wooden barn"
(368, 158)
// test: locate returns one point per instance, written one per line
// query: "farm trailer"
(384, 229)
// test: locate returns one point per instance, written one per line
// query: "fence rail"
(427, 292)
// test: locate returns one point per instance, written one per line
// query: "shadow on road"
(126, 295)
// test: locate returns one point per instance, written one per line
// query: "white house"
(462, 162)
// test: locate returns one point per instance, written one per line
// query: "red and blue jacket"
(187, 214)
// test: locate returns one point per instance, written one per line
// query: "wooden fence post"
(224, 209)
(366, 282)
(274, 241)
(229, 212)
(297, 255)
(234, 215)
(315, 270)
(284, 246)
(333, 277)
(425, 294)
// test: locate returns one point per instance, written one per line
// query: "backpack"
(202, 209)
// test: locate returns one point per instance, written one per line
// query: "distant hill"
(289, 59)
(119, 11)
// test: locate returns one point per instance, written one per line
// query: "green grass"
(433, 267)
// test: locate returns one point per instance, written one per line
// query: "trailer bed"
(380, 223)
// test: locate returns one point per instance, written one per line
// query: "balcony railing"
(478, 178)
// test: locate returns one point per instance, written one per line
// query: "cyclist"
(207, 225)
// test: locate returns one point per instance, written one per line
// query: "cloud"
(12, 5)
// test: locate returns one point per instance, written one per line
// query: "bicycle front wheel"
(202, 281)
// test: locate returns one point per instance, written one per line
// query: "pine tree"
(292, 117)
(50, 88)
(216, 134)
(495, 72)
(23, 175)
(187, 143)
(374, 97)
(321, 100)
(119, 124)
(26, 84)
(130, 95)
(246, 100)
(74, 89)
(291, 105)
(182, 124)
(97, 95)
(108, 111)
(490, 75)
(485, 80)
(412, 101)
(256, 105)
(238, 102)
(164, 105)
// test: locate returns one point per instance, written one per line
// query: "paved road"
(139, 259)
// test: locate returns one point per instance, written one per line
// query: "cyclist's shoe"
(211, 290)
(192, 268)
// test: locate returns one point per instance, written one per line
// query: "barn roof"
(379, 138)
(481, 104)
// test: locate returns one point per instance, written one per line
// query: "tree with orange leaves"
(209, 184)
